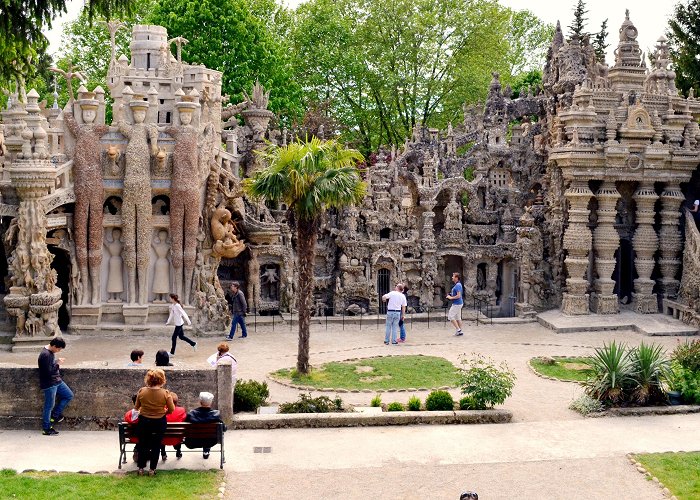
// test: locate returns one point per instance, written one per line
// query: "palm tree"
(309, 177)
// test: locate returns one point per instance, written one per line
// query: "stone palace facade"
(568, 196)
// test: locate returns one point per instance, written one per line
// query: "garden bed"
(561, 368)
(376, 374)
(351, 419)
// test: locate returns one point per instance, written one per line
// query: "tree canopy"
(684, 36)
(22, 42)
(578, 25)
(242, 38)
(387, 64)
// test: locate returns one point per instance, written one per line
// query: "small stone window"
(385, 234)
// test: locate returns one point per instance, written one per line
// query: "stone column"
(670, 235)
(429, 267)
(605, 242)
(645, 243)
(577, 244)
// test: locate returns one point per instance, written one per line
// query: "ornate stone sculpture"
(136, 207)
(226, 244)
(161, 273)
(115, 276)
(184, 199)
(87, 184)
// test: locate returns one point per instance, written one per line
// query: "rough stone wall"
(103, 395)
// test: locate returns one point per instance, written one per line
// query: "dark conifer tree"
(578, 26)
(599, 40)
(684, 37)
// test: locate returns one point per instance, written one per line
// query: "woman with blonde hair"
(153, 402)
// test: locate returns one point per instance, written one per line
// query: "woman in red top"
(178, 415)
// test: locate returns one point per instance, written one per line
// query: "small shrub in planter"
(307, 404)
(249, 395)
(687, 382)
(395, 406)
(376, 401)
(586, 404)
(687, 355)
(467, 403)
(483, 383)
(612, 373)
(439, 401)
(650, 369)
(413, 403)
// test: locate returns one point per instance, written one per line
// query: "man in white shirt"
(395, 312)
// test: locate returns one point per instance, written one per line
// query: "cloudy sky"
(649, 16)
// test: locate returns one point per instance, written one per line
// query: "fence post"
(428, 317)
(273, 322)
(327, 320)
(444, 319)
(255, 319)
(343, 319)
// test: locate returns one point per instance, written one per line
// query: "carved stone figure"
(161, 272)
(87, 184)
(184, 199)
(136, 207)
(226, 244)
(115, 277)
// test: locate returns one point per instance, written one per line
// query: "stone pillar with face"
(184, 195)
(87, 174)
(136, 207)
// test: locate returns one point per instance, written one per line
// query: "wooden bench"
(178, 430)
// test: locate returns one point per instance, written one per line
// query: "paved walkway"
(547, 452)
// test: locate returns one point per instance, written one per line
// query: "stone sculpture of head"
(88, 107)
(186, 111)
(138, 110)
(162, 235)
(116, 234)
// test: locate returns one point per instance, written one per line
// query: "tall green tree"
(578, 25)
(599, 41)
(684, 36)
(387, 64)
(309, 177)
(243, 39)
(22, 42)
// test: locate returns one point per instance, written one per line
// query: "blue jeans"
(402, 330)
(238, 319)
(64, 395)
(392, 325)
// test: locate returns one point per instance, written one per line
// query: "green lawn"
(567, 369)
(390, 372)
(680, 472)
(173, 485)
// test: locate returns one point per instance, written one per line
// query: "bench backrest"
(181, 430)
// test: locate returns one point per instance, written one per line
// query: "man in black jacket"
(238, 306)
(53, 386)
(203, 415)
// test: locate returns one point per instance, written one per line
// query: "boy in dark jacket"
(56, 393)
(203, 415)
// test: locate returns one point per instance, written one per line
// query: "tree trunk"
(306, 253)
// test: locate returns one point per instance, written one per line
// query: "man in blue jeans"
(395, 312)
(56, 393)
(238, 305)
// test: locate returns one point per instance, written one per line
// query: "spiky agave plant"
(611, 373)
(650, 369)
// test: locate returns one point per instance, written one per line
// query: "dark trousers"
(238, 319)
(178, 333)
(150, 432)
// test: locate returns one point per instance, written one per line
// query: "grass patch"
(390, 372)
(567, 369)
(680, 472)
(173, 485)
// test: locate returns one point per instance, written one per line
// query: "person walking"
(455, 312)
(395, 312)
(57, 394)
(238, 306)
(178, 317)
(153, 402)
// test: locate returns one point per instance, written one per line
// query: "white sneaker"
(195, 347)
(171, 355)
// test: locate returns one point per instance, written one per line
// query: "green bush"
(586, 404)
(687, 382)
(249, 395)
(439, 401)
(395, 406)
(469, 173)
(687, 355)
(307, 404)
(466, 403)
(612, 373)
(376, 401)
(413, 403)
(484, 383)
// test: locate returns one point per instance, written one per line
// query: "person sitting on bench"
(203, 415)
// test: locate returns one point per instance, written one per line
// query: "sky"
(649, 16)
